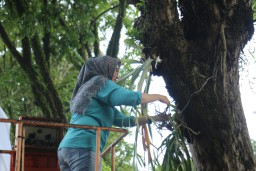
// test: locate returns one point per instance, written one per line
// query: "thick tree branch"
(47, 35)
(51, 93)
(96, 43)
(113, 46)
(26, 50)
(88, 50)
(95, 20)
(19, 5)
(47, 49)
(10, 45)
(39, 55)
(81, 50)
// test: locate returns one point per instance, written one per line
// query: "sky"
(248, 87)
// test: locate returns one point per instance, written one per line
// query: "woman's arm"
(147, 98)
(115, 95)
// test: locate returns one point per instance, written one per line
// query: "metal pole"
(113, 158)
(23, 148)
(19, 147)
(97, 161)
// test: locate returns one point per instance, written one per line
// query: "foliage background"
(67, 32)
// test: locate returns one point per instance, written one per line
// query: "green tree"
(44, 43)
(49, 35)
(199, 43)
(43, 46)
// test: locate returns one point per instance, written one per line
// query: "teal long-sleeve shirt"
(101, 112)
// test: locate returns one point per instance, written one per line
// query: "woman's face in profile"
(115, 75)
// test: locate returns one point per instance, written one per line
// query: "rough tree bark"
(200, 51)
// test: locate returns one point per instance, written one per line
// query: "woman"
(92, 103)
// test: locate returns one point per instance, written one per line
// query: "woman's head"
(105, 65)
(93, 75)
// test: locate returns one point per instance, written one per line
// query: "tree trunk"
(200, 51)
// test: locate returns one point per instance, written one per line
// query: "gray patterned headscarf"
(92, 77)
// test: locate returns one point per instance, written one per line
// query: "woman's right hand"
(148, 98)
(164, 99)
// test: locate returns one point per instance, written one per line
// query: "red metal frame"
(18, 152)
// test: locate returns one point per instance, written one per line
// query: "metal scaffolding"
(19, 148)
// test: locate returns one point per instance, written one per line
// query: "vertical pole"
(97, 161)
(113, 158)
(19, 147)
(12, 164)
(23, 148)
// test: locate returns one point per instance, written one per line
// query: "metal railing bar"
(113, 144)
(7, 151)
(54, 124)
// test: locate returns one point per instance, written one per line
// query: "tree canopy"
(44, 44)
